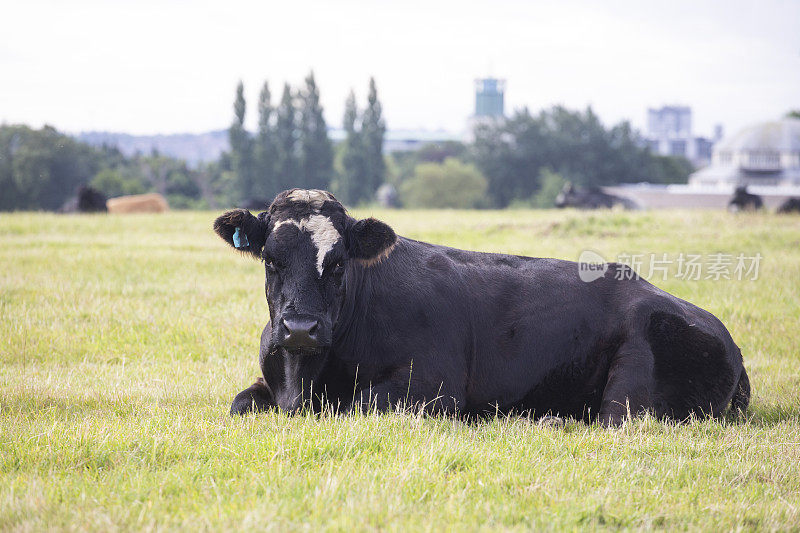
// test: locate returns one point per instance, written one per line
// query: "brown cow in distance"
(138, 203)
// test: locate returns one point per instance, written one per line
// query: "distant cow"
(86, 200)
(361, 318)
(590, 198)
(387, 196)
(744, 201)
(138, 203)
(791, 205)
(255, 205)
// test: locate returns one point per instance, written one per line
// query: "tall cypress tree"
(373, 130)
(287, 165)
(352, 185)
(265, 151)
(316, 151)
(241, 147)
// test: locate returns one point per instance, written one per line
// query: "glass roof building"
(767, 153)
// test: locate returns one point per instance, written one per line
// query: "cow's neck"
(299, 373)
(355, 304)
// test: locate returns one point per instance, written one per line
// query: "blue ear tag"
(240, 239)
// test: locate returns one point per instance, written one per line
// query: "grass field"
(124, 338)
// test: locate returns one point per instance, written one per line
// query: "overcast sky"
(172, 66)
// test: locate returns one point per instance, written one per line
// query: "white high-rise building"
(669, 132)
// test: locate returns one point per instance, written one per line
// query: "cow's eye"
(270, 264)
(337, 268)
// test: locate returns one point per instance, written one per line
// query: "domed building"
(763, 154)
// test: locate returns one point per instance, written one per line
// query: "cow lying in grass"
(361, 318)
(590, 198)
(87, 199)
(790, 205)
(138, 203)
(744, 201)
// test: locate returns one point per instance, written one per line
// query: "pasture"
(123, 340)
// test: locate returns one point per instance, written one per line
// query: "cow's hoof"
(554, 422)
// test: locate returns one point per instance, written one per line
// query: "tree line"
(518, 154)
(292, 148)
(523, 160)
(43, 168)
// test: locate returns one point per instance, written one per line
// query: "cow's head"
(306, 240)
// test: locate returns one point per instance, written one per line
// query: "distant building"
(489, 97)
(489, 104)
(404, 140)
(669, 132)
(763, 154)
(411, 140)
(670, 123)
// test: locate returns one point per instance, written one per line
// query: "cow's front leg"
(381, 397)
(257, 397)
(387, 395)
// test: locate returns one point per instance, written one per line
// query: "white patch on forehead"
(314, 197)
(323, 234)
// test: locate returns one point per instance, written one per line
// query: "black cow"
(87, 199)
(744, 201)
(590, 198)
(791, 205)
(255, 204)
(361, 318)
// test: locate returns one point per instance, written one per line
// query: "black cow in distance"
(590, 198)
(87, 199)
(744, 201)
(790, 205)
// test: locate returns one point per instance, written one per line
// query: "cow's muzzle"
(300, 334)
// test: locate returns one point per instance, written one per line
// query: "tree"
(241, 147)
(373, 130)
(265, 152)
(437, 152)
(450, 184)
(156, 168)
(794, 113)
(316, 151)
(509, 153)
(668, 169)
(351, 187)
(401, 164)
(512, 153)
(216, 182)
(112, 182)
(40, 169)
(551, 184)
(287, 164)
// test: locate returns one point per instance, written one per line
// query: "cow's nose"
(299, 333)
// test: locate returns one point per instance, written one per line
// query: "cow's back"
(489, 324)
(508, 332)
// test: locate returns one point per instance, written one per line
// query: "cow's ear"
(370, 240)
(243, 231)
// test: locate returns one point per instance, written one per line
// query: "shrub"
(450, 184)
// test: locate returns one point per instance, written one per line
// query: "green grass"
(123, 340)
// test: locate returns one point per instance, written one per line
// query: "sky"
(171, 66)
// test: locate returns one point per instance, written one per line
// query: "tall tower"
(489, 97)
